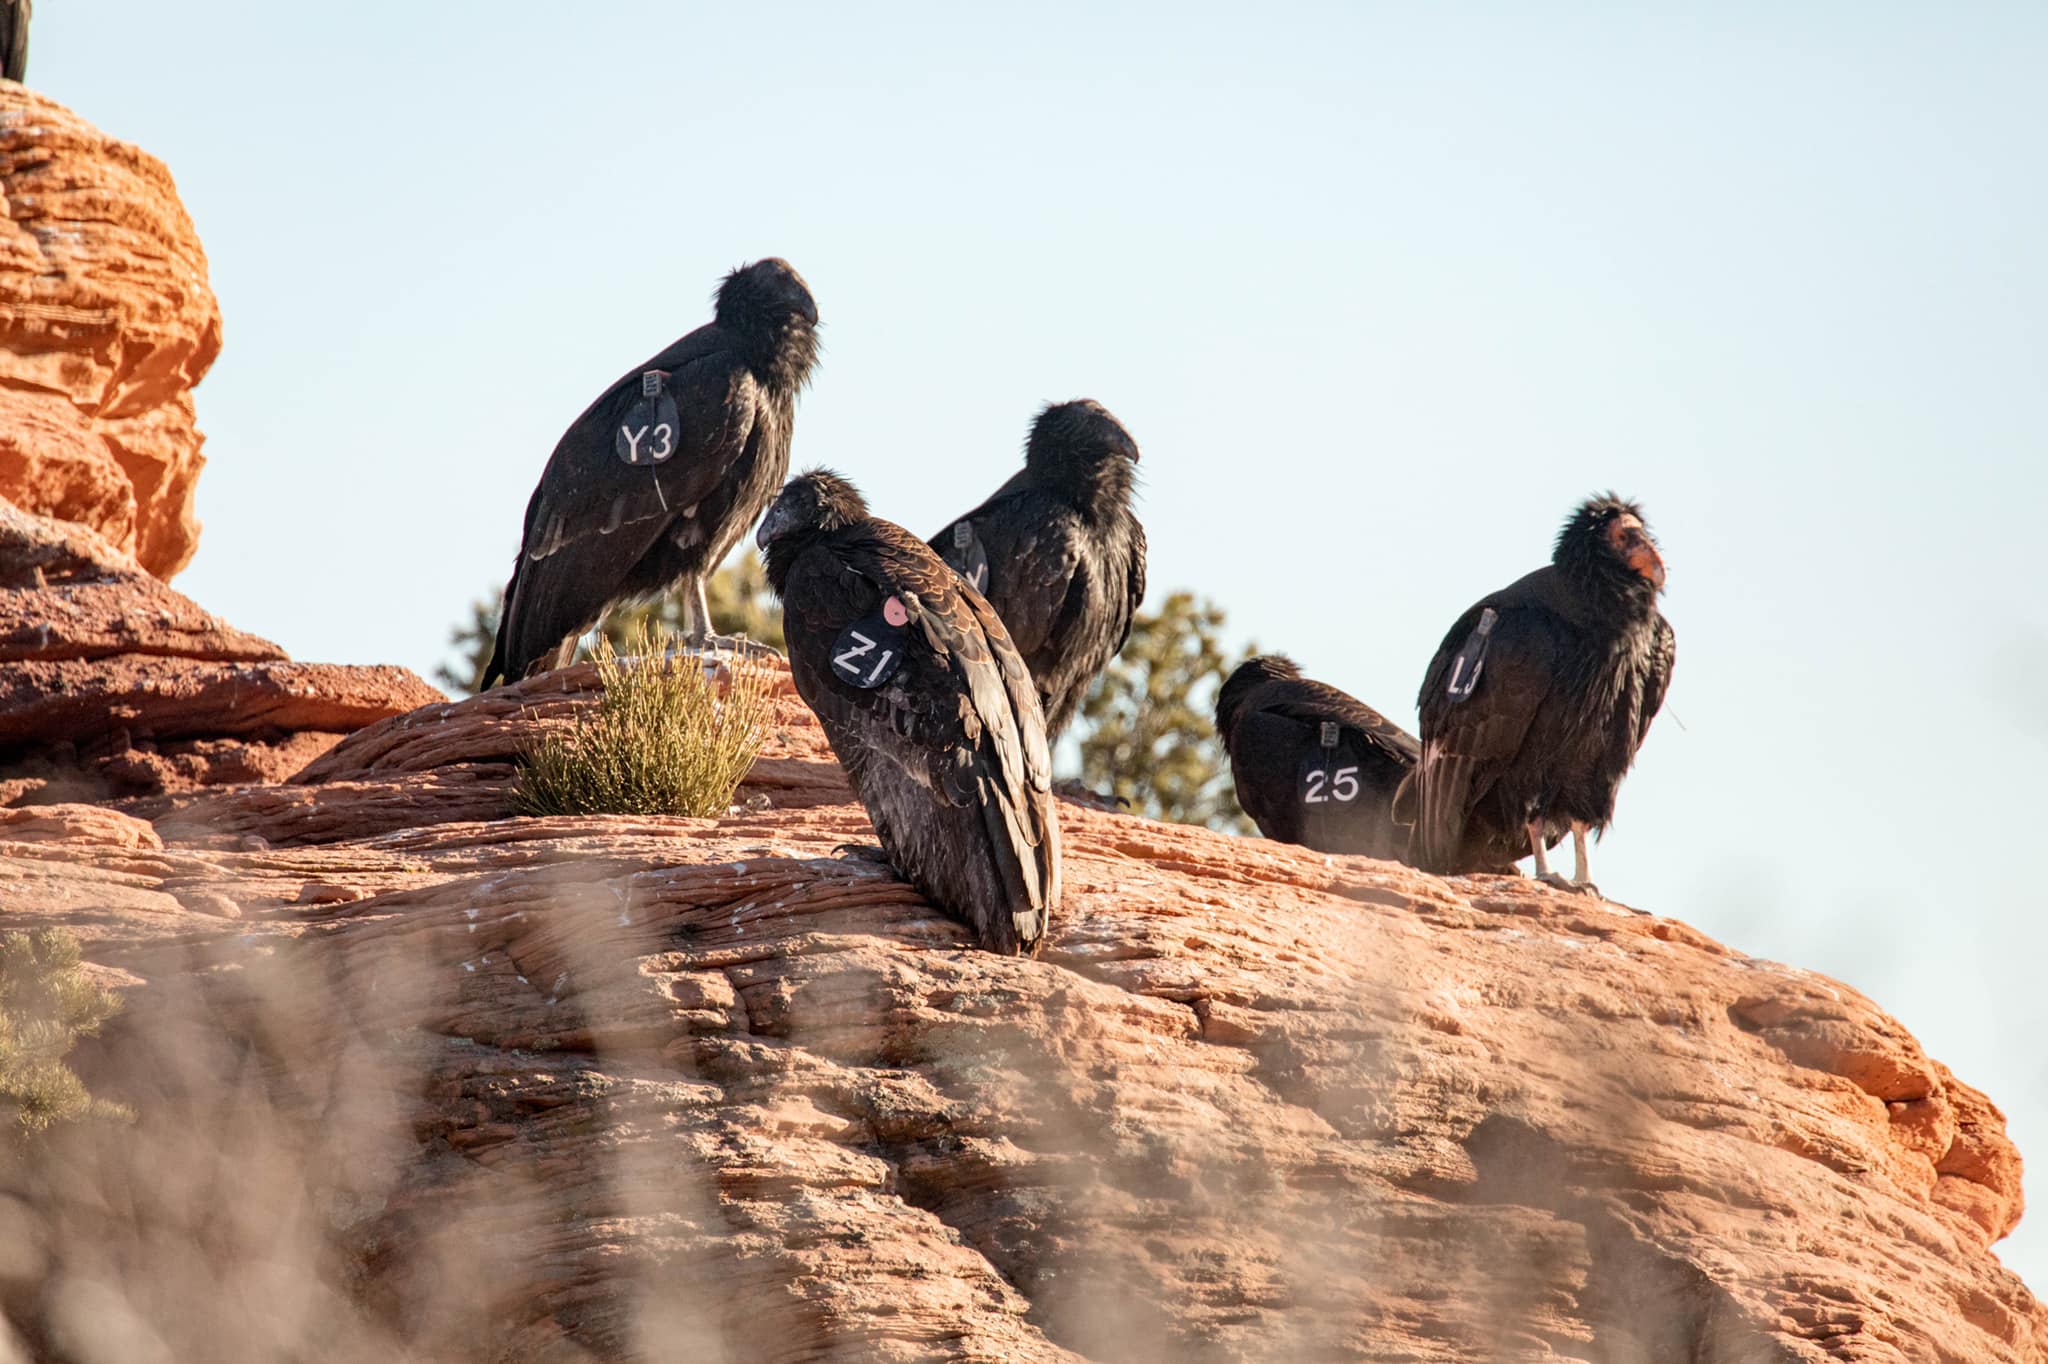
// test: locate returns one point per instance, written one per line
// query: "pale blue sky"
(1381, 290)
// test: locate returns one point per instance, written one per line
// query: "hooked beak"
(1644, 559)
(774, 525)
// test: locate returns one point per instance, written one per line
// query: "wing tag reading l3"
(967, 556)
(648, 433)
(1471, 657)
(869, 651)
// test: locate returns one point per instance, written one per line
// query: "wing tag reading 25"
(648, 433)
(967, 556)
(869, 651)
(1329, 774)
(1471, 657)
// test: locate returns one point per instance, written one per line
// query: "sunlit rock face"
(448, 1084)
(113, 684)
(106, 323)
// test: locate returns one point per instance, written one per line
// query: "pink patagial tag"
(895, 612)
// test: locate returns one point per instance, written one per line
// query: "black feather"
(948, 754)
(1065, 555)
(1272, 721)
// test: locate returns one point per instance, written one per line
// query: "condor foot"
(738, 646)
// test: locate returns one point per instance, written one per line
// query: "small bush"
(663, 741)
(46, 1003)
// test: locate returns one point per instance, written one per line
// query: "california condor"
(1058, 553)
(648, 489)
(1538, 698)
(1313, 765)
(926, 702)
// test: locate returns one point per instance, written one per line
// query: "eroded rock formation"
(112, 684)
(610, 1088)
(106, 323)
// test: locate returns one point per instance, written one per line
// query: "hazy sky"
(1381, 291)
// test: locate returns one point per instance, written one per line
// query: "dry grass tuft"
(663, 740)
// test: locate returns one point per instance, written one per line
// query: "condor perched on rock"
(1539, 696)
(1057, 552)
(649, 488)
(1312, 764)
(1316, 766)
(927, 704)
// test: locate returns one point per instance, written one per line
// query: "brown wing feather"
(1663, 658)
(1467, 743)
(593, 518)
(959, 722)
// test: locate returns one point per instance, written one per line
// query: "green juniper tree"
(1149, 738)
(46, 1003)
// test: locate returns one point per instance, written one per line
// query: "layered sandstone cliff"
(106, 323)
(419, 1080)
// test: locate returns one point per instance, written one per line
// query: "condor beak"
(774, 525)
(1644, 559)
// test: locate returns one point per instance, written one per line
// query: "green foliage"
(46, 1003)
(741, 604)
(1151, 739)
(662, 740)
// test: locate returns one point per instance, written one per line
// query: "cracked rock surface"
(630, 1088)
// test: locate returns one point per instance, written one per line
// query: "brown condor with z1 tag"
(648, 432)
(869, 651)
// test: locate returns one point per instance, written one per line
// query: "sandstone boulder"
(626, 1088)
(106, 323)
(113, 684)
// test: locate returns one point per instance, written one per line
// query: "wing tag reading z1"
(869, 651)
(647, 434)
(967, 556)
(1471, 657)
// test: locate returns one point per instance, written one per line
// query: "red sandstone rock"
(633, 1088)
(112, 683)
(66, 594)
(106, 323)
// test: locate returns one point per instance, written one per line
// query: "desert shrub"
(662, 740)
(46, 1003)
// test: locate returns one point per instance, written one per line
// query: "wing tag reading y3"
(869, 651)
(968, 558)
(1471, 657)
(647, 434)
